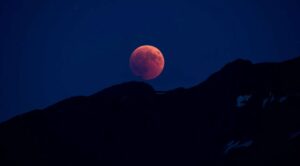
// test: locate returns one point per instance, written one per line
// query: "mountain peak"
(132, 88)
(239, 62)
(226, 120)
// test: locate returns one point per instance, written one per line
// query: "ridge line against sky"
(53, 49)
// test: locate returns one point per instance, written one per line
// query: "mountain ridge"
(232, 118)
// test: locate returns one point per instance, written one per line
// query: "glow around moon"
(147, 62)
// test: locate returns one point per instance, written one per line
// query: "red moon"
(147, 62)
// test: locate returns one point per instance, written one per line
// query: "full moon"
(147, 62)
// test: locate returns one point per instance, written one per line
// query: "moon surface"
(147, 62)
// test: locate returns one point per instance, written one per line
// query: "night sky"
(54, 49)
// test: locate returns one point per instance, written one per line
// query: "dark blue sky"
(54, 49)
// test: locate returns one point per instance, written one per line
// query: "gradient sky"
(54, 49)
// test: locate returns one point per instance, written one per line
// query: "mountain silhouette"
(244, 114)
